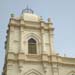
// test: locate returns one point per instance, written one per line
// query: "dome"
(28, 15)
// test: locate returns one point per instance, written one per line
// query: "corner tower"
(29, 45)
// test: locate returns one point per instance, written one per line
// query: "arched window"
(32, 46)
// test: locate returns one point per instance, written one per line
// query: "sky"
(61, 12)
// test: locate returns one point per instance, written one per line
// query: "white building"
(29, 48)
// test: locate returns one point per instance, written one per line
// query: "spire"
(27, 10)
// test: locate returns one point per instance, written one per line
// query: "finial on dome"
(27, 10)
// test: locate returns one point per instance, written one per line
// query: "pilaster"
(42, 36)
(21, 53)
(51, 37)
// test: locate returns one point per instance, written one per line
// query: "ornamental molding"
(32, 35)
(32, 71)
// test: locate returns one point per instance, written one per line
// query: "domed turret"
(28, 15)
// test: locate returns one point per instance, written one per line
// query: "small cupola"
(28, 15)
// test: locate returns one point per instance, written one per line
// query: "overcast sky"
(61, 12)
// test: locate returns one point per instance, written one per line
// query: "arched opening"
(32, 46)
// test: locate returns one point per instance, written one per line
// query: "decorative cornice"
(37, 58)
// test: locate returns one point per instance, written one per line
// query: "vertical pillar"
(21, 39)
(43, 47)
(21, 34)
(42, 36)
(21, 53)
(51, 37)
(51, 42)
(10, 36)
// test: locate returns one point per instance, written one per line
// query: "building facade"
(30, 48)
